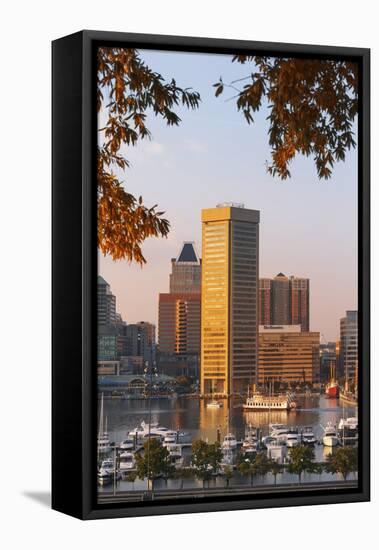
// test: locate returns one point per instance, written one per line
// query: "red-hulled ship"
(332, 389)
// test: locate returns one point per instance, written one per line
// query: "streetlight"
(149, 370)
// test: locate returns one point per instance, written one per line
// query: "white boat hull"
(330, 440)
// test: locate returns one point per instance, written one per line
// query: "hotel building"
(229, 299)
(287, 354)
(284, 301)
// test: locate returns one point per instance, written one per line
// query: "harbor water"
(193, 417)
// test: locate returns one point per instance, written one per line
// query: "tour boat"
(230, 441)
(103, 444)
(330, 438)
(214, 404)
(260, 401)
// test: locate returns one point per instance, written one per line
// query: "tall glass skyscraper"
(349, 345)
(229, 299)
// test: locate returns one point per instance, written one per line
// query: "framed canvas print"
(210, 275)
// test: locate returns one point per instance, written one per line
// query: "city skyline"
(308, 228)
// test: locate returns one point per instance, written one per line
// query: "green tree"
(261, 464)
(275, 468)
(182, 474)
(245, 468)
(214, 456)
(206, 458)
(312, 104)
(228, 474)
(153, 462)
(344, 461)
(200, 459)
(127, 89)
(301, 460)
(131, 477)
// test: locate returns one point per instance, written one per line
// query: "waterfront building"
(132, 364)
(229, 299)
(349, 345)
(284, 301)
(288, 354)
(185, 276)
(106, 304)
(108, 367)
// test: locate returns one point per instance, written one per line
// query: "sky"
(308, 227)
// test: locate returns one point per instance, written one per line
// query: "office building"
(229, 299)
(349, 345)
(185, 277)
(106, 304)
(288, 354)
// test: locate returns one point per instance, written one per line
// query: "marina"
(319, 422)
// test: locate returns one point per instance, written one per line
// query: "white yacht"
(308, 436)
(250, 443)
(103, 443)
(277, 450)
(127, 461)
(170, 437)
(155, 430)
(175, 453)
(227, 456)
(127, 444)
(351, 423)
(330, 438)
(292, 438)
(107, 472)
(230, 442)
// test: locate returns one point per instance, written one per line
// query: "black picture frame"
(74, 276)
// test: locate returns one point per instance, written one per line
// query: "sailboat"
(103, 444)
(332, 389)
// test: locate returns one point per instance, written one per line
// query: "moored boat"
(262, 401)
(330, 438)
(214, 404)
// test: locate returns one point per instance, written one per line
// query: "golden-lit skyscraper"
(229, 299)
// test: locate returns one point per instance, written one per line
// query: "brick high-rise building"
(179, 310)
(229, 299)
(284, 301)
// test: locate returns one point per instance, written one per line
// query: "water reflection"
(193, 416)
